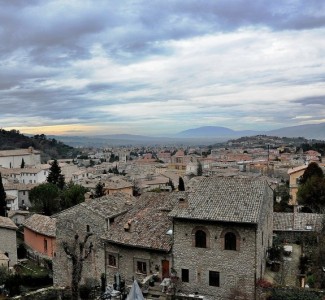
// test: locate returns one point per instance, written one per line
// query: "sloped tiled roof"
(41, 224)
(297, 169)
(147, 221)
(110, 205)
(106, 206)
(117, 183)
(227, 199)
(4, 153)
(20, 186)
(3, 256)
(297, 221)
(7, 223)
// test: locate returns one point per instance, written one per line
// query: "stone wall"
(127, 258)
(237, 268)
(69, 223)
(264, 234)
(8, 244)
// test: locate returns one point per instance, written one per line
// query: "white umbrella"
(135, 292)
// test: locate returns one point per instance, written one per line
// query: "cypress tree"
(3, 202)
(181, 185)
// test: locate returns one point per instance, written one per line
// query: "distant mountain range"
(215, 131)
(310, 131)
(197, 136)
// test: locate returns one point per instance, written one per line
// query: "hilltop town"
(225, 221)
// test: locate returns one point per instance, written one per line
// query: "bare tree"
(78, 252)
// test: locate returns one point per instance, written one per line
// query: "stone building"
(221, 233)
(39, 236)
(295, 227)
(139, 242)
(215, 236)
(14, 158)
(95, 216)
(8, 240)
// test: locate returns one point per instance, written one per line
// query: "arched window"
(230, 241)
(200, 239)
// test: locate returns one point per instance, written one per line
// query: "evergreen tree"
(22, 165)
(181, 185)
(311, 191)
(45, 199)
(171, 184)
(55, 176)
(3, 202)
(199, 169)
(313, 169)
(72, 195)
(312, 194)
(99, 192)
(115, 170)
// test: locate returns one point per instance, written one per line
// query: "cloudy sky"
(157, 67)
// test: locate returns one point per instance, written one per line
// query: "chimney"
(182, 201)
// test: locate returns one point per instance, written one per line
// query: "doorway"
(165, 268)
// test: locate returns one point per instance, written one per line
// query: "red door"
(165, 268)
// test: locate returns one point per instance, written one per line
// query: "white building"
(14, 158)
(25, 175)
(21, 193)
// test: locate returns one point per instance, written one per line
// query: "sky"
(81, 67)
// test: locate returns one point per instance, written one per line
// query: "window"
(230, 241)
(200, 239)
(185, 275)
(45, 245)
(141, 267)
(112, 260)
(88, 228)
(214, 278)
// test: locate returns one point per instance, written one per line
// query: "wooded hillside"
(50, 148)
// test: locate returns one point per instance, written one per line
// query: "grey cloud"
(319, 100)
(135, 27)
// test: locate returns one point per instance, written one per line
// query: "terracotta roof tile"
(227, 199)
(7, 223)
(110, 205)
(4, 153)
(297, 221)
(41, 224)
(146, 224)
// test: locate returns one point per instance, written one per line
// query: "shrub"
(263, 283)
(84, 291)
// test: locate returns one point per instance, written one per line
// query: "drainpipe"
(255, 279)
(173, 245)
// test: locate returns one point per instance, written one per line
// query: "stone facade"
(8, 241)
(13, 158)
(127, 260)
(136, 242)
(91, 216)
(199, 261)
(76, 221)
(210, 269)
